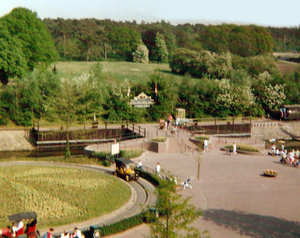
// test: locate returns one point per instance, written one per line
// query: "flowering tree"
(232, 97)
(274, 96)
(141, 54)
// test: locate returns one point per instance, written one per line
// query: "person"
(291, 157)
(166, 125)
(296, 163)
(273, 149)
(177, 122)
(65, 235)
(161, 124)
(283, 157)
(205, 145)
(18, 229)
(282, 146)
(297, 154)
(140, 165)
(49, 234)
(234, 148)
(77, 233)
(277, 152)
(157, 168)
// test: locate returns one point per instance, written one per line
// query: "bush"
(248, 148)
(159, 139)
(153, 179)
(146, 216)
(202, 138)
(128, 154)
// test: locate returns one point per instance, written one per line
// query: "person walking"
(157, 168)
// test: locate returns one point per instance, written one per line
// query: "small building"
(180, 113)
(142, 100)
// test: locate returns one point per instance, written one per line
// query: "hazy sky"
(261, 12)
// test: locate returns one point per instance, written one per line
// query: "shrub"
(128, 154)
(243, 148)
(202, 138)
(153, 179)
(159, 139)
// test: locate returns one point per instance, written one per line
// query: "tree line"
(93, 39)
(215, 82)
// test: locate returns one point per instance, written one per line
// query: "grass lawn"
(134, 72)
(59, 195)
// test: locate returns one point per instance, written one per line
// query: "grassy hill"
(134, 72)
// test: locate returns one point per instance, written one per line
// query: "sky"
(259, 12)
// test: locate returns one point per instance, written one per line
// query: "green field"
(134, 72)
(58, 195)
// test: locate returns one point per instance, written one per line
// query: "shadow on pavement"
(253, 225)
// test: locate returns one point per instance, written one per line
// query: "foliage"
(141, 54)
(269, 95)
(159, 139)
(12, 59)
(161, 48)
(129, 154)
(243, 148)
(202, 138)
(53, 193)
(32, 42)
(166, 98)
(123, 41)
(255, 65)
(122, 225)
(175, 214)
(201, 64)
(234, 98)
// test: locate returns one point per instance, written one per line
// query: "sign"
(114, 149)
(141, 100)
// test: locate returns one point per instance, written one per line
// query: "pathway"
(237, 200)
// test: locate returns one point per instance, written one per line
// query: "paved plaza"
(236, 199)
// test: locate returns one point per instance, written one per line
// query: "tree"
(175, 214)
(38, 45)
(161, 48)
(141, 54)
(12, 58)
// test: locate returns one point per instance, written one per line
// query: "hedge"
(145, 216)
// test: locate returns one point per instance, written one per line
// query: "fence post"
(233, 124)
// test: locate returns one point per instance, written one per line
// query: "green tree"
(123, 41)
(167, 96)
(161, 48)
(37, 43)
(12, 59)
(141, 54)
(175, 214)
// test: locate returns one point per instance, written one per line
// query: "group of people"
(292, 157)
(168, 123)
(75, 234)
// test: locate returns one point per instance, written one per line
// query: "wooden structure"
(180, 113)
(220, 127)
(142, 100)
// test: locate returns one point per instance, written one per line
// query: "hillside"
(134, 72)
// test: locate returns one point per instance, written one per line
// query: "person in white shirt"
(77, 233)
(65, 235)
(140, 165)
(205, 144)
(234, 149)
(157, 168)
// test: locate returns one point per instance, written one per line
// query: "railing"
(220, 126)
